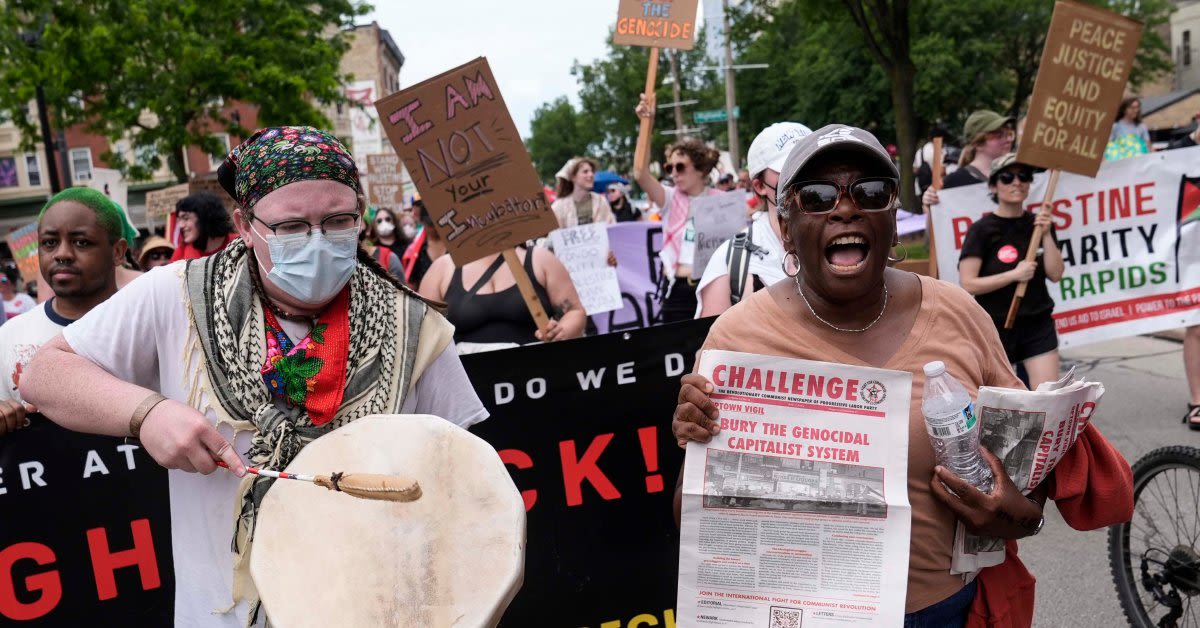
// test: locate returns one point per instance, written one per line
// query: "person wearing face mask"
(688, 163)
(383, 230)
(753, 259)
(386, 256)
(285, 335)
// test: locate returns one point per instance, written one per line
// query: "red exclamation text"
(649, 438)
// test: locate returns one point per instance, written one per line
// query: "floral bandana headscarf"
(277, 156)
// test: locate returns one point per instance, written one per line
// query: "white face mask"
(385, 227)
(312, 268)
(409, 231)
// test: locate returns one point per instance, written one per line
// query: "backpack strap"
(738, 263)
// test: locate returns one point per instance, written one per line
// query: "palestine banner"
(1130, 241)
(584, 429)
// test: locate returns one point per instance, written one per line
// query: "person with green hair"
(81, 243)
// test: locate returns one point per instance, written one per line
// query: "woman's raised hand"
(696, 415)
(645, 106)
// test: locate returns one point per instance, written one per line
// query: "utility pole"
(673, 57)
(730, 94)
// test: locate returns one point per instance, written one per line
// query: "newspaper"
(797, 513)
(1030, 431)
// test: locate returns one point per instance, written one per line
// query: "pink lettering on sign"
(405, 113)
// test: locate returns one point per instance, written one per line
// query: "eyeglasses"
(679, 167)
(1006, 177)
(871, 194)
(155, 256)
(332, 222)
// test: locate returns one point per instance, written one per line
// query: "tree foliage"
(157, 73)
(556, 135)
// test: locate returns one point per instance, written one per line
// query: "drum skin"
(454, 557)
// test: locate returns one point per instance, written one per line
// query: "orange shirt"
(950, 327)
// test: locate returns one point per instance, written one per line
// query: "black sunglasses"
(678, 167)
(871, 194)
(1023, 175)
(154, 256)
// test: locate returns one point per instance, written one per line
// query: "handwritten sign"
(210, 184)
(717, 218)
(385, 181)
(23, 243)
(664, 24)
(467, 160)
(1085, 66)
(160, 203)
(584, 251)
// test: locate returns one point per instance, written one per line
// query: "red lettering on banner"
(960, 226)
(1140, 199)
(576, 470)
(1129, 310)
(106, 562)
(520, 460)
(47, 583)
(649, 439)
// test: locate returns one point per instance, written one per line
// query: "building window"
(33, 170)
(144, 154)
(1187, 47)
(81, 164)
(216, 160)
(8, 172)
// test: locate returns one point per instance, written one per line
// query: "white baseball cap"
(770, 149)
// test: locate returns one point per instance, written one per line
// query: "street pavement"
(1144, 399)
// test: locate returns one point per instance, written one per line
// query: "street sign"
(713, 115)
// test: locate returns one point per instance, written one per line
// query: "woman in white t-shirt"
(688, 163)
(15, 303)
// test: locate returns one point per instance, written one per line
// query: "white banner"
(1130, 240)
(584, 251)
(797, 513)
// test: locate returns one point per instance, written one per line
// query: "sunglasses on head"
(1023, 175)
(677, 167)
(871, 194)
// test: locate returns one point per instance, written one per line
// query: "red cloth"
(1093, 488)
(412, 254)
(187, 251)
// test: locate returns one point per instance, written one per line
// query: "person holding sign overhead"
(991, 265)
(837, 208)
(689, 163)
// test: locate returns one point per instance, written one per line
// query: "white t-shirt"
(139, 336)
(19, 304)
(766, 263)
(20, 338)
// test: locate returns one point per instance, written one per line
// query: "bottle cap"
(935, 368)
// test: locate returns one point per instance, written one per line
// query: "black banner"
(583, 426)
(85, 531)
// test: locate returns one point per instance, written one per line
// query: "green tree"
(555, 135)
(158, 72)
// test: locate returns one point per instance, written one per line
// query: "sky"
(530, 44)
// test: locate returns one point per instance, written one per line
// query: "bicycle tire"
(1125, 573)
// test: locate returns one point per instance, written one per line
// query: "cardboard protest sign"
(1082, 76)
(23, 243)
(1130, 241)
(160, 203)
(665, 24)
(385, 181)
(584, 251)
(717, 219)
(467, 160)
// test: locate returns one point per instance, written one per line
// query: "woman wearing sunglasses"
(992, 263)
(689, 163)
(843, 304)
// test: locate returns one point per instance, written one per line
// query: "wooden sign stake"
(525, 285)
(1034, 244)
(936, 184)
(641, 154)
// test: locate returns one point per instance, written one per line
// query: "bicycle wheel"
(1153, 557)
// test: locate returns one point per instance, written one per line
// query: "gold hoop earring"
(896, 260)
(784, 264)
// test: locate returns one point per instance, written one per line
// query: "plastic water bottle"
(953, 427)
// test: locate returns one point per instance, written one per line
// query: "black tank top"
(495, 317)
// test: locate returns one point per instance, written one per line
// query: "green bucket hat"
(982, 122)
